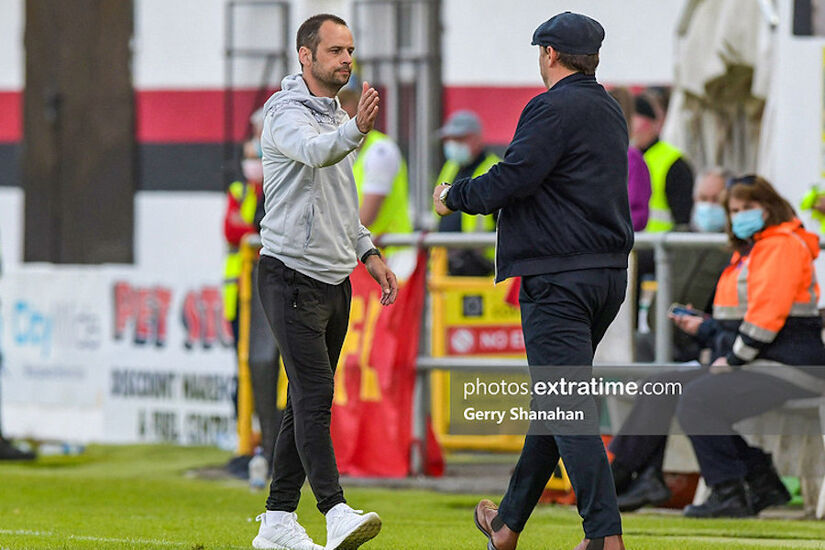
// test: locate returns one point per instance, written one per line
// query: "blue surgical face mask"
(457, 152)
(747, 222)
(709, 217)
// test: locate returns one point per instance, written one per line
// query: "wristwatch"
(443, 196)
(370, 252)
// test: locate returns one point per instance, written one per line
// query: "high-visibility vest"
(659, 158)
(248, 199)
(394, 214)
(774, 280)
(471, 223)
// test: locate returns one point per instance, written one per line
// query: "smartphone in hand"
(677, 309)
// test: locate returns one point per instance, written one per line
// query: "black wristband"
(370, 252)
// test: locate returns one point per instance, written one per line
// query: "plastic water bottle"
(258, 470)
(60, 448)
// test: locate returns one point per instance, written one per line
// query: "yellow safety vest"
(659, 158)
(394, 215)
(471, 223)
(245, 195)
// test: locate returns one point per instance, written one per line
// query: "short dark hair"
(308, 32)
(583, 63)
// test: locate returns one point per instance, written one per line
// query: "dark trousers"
(564, 317)
(713, 403)
(309, 319)
(641, 441)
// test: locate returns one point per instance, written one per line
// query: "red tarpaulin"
(372, 410)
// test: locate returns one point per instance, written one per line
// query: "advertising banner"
(113, 354)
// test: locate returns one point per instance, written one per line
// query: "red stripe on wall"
(11, 116)
(498, 107)
(192, 116)
(196, 116)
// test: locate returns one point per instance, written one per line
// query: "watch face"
(444, 194)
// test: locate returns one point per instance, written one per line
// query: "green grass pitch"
(140, 497)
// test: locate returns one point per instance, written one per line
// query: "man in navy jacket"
(564, 226)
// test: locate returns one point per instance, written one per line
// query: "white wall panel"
(11, 44)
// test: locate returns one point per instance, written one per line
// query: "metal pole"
(228, 97)
(664, 328)
(431, 118)
(421, 405)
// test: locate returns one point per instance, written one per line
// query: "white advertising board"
(115, 354)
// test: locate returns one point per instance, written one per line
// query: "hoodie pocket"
(310, 217)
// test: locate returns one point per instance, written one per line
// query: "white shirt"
(381, 164)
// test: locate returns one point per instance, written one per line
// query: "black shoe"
(621, 478)
(648, 488)
(726, 500)
(766, 489)
(10, 452)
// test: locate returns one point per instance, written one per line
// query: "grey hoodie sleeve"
(364, 241)
(296, 137)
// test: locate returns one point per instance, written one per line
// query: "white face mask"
(457, 152)
(253, 169)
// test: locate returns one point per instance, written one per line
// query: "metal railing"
(660, 243)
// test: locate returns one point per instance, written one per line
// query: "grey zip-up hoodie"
(311, 201)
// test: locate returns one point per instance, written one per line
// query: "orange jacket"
(765, 286)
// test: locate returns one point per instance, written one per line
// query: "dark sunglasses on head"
(750, 179)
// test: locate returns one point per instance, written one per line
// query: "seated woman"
(765, 309)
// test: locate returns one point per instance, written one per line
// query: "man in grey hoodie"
(312, 239)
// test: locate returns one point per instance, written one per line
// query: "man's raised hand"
(367, 109)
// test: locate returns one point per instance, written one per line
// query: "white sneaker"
(286, 534)
(347, 529)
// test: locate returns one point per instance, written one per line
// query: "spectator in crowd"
(671, 178)
(639, 448)
(638, 177)
(381, 178)
(765, 309)
(243, 202)
(694, 271)
(466, 157)
(244, 211)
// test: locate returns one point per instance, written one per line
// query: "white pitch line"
(155, 542)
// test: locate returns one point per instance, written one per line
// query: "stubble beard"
(331, 79)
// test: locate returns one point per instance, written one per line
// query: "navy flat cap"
(570, 32)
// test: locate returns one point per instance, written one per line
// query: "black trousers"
(713, 403)
(309, 319)
(642, 439)
(564, 317)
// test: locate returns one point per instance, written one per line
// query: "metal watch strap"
(444, 193)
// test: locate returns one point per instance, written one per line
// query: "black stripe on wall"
(180, 167)
(162, 167)
(10, 165)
